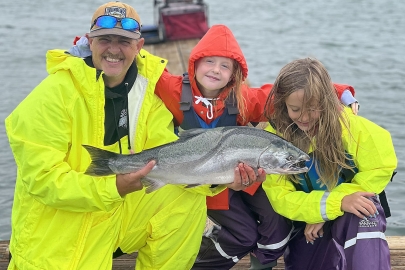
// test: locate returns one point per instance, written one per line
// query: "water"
(361, 42)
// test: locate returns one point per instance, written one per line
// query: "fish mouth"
(296, 167)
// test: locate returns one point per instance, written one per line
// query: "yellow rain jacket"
(64, 219)
(373, 154)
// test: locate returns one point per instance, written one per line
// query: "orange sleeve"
(255, 99)
(219, 201)
(340, 88)
(168, 89)
(252, 189)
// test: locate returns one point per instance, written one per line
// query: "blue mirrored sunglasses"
(107, 21)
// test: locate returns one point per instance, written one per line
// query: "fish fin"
(151, 184)
(192, 185)
(189, 133)
(99, 161)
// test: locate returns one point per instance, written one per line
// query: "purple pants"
(348, 243)
(250, 225)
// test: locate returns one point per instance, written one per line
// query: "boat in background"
(177, 20)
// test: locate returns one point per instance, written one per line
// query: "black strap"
(384, 204)
(186, 95)
(384, 201)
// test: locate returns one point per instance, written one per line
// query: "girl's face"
(212, 74)
(305, 116)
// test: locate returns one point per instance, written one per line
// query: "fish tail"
(99, 161)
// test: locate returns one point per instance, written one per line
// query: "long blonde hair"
(328, 150)
(236, 88)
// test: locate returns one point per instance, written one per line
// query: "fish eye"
(290, 158)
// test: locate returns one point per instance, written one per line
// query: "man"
(65, 219)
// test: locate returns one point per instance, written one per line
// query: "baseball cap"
(109, 20)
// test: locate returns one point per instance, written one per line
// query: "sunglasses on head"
(107, 21)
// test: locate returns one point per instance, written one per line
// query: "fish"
(204, 156)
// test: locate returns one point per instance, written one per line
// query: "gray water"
(361, 42)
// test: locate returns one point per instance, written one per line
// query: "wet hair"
(236, 88)
(310, 75)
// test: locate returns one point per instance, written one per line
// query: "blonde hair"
(236, 88)
(328, 150)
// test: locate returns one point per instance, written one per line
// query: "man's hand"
(130, 182)
(245, 176)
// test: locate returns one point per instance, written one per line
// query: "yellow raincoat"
(64, 219)
(373, 153)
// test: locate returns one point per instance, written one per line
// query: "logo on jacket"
(367, 224)
(123, 119)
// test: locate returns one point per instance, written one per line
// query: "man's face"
(114, 55)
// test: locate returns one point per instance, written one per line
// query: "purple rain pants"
(348, 243)
(250, 225)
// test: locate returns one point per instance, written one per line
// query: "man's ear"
(90, 40)
(140, 44)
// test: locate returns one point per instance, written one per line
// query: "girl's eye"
(225, 66)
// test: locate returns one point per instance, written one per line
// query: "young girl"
(217, 96)
(338, 220)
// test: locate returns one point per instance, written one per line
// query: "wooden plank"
(176, 52)
(185, 47)
(396, 244)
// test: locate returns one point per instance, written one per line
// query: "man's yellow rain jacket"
(64, 219)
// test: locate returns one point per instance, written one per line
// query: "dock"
(127, 262)
(177, 52)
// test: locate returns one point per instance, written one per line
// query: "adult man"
(64, 219)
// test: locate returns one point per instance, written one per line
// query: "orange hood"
(218, 41)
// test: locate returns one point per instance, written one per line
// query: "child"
(338, 220)
(244, 221)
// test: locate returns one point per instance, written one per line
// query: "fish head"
(283, 159)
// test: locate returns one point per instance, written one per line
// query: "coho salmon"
(204, 156)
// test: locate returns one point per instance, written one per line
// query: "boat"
(179, 25)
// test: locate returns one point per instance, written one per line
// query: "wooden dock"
(127, 262)
(177, 52)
